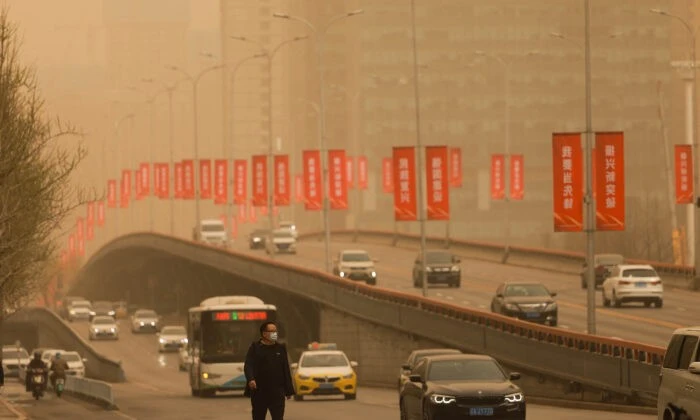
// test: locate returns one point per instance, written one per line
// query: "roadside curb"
(13, 409)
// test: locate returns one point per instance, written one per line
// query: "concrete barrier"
(54, 332)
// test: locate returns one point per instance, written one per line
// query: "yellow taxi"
(324, 371)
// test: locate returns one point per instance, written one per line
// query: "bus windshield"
(227, 341)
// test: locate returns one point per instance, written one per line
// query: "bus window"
(227, 342)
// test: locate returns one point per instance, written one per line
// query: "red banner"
(220, 181)
(263, 211)
(252, 215)
(362, 173)
(259, 166)
(138, 185)
(90, 215)
(240, 171)
(112, 193)
(157, 190)
(282, 193)
(179, 181)
(498, 174)
(145, 170)
(350, 172)
(404, 171)
(684, 173)
(437, 182)
(242, 213)
(234, 227)
(80, 228)
(338, 183)
(298, 188)
(188, 179)
(610, 207)
(205, 179)
(125, 189)
(81, 246)
(71, 245)
(387, 175)
(164, 175)
(89, 231)
(100, 213)
(517, 177)
(455, 167)
(313, 187)
(567, 165)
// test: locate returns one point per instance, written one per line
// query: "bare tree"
(35, 190)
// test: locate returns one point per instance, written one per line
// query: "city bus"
(219, 332)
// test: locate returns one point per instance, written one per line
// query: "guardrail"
(547, 259)
(625, 367)
(90, 389)
(55, 332)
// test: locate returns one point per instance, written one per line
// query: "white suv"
(633, 283)
(679, 391)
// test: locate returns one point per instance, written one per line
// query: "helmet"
(37, 356)
(58, 355)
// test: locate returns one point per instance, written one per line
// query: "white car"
(14, 360)
(184, 360)
(48, 354)
(76, 364)
(633, 283)
(212, 232)
(172, 338)
(287, 225)
(79, 310)
(355, 264)
(281, 241)
(104, 327)
(679, 389)
(145, 320)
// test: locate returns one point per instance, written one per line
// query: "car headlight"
(207, 375)
(303, 377)
(442, 399)
(515, 398)
(92, 313)
(428, 269)
(95, 330)
(551, 307)
(111, 313)
(153, 323)
(113, 329)
(161, 340)
(348, 376)
(455, 268)
(142, 324)
(256, 239)
(373, 274)
(512, 307)
(184, 340)
(342, 274)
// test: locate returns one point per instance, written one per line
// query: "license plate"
(640, 284)
(481, 411)
(532, 315)
(326, 386)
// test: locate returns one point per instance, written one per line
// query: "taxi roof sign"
(322, 346)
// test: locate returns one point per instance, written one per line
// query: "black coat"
(253, 360)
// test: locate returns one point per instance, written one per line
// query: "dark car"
(462, 386)
(441, 268)
(526, 301)
(256, 240)
(102, 309)
(415, 357)
(603, 264)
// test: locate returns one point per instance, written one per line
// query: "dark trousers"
(264, 400)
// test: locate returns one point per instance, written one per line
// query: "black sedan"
(526, 301)
(467, 386)
(415, 357)
(256, 239)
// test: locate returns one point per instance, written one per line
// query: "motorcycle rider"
(58, 369)
(35, 363)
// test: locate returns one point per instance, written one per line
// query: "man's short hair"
(264, 325)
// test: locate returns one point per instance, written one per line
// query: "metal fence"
(97, 391)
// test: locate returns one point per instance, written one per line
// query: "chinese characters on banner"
(157, 190)
(164, 175)
(313, 188)
(89, 231)
(242, 213)
(80, 228)
(455, 167)
(137, 184)
(684, 174)
(567, 164)
(188, 179)
(259, 181)
(350, 172)
(145, 170)
(100, 213)
(125, 189)
(282, 193)
(253, 217)
(90, 215)
(404, 172)
(179, 181)
(498, 173)
(362, 171)
(338, 183)
(81, 246)
(437, 183)
(299, 188)
(387, 175)
(220, 181)
(610, 205)
(112, 193)
(205, 179)
(517, 177)
(240, 193)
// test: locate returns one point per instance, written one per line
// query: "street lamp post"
(195, 82)
(320, 35)
(117, 125)
(270, 54)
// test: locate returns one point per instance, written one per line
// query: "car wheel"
(616, 302)
(553, 323)
(298, 398)
(195, 393)
(647, 304)
(457, 284)
(606, 301)
(584, 285)
(426, 413)
(659, 303)
(402, 411)
(350, 396)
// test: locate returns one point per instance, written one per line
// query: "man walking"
(267, 374)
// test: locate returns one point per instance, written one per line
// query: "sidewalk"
(12, 392)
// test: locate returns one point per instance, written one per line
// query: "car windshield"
(146, 314)
(283, 234)
(639, 272)
(81, 305)
(259, 233)
(323, 360)
(355, 256)
(438, 258)
(14, 354)
(174, 331)
(526, 290)
(421, 356)
(71, 357)
(213, 228)
(287, 225)
(465, 370)
(103, 321)
(104, 307)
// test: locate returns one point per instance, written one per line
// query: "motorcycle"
(37, 382)
(60, 383)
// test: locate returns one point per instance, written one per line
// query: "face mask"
(272, 336)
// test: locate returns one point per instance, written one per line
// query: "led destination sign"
(239, 316)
